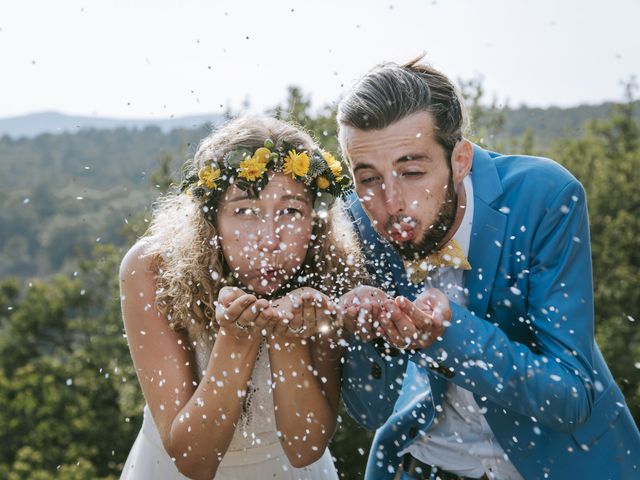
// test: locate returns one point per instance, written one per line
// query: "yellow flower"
(251, 169)
(296, 164)
(208, 176)
(262, 155)
(334, 165)
(323, 183)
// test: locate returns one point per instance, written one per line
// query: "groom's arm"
(370, 383)
(372, 371)
(552, 378)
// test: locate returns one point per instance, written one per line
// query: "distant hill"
(67, 183)
(547, 123)
(52, 122)
(551, 123)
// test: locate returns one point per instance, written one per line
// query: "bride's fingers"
(326, 314)
(266, 321)
(247, 319)
(308, 314)
(293, 320)
(228, 294)
(227, 316)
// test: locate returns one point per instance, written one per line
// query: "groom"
(475, 356)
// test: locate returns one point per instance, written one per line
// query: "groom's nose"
(394, 200)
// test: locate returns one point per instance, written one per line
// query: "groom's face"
(406, 183)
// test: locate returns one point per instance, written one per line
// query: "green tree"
(69, 402)
(607, 162)
(321, 123)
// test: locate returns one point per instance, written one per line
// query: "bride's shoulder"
(138, 259)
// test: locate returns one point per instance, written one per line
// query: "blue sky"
(160, 58)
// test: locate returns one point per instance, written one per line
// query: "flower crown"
(246, 167)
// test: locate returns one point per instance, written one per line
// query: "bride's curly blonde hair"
(182, 241)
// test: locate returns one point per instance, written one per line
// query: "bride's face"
(265, 240)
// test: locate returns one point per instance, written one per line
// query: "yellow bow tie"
(451, 255)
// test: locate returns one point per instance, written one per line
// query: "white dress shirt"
(460, 440)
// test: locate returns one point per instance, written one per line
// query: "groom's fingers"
(407, 330)
(364, 323)
(427, 329)
(358, 317)
(436, 303)
(389, 329)
(350, 320)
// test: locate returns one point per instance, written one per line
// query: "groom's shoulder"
(530, 173)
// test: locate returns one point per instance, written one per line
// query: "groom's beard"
(432, 236)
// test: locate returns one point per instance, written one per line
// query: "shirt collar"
(463, 234)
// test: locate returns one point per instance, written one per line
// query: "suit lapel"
(487, 237)
(487, 232)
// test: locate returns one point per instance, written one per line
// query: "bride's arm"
(196, 421)
(306, 378)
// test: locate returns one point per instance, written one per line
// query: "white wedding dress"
(255, 451)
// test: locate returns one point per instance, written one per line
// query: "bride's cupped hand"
(304, 312)
(243, 316)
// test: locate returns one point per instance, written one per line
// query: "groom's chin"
(406, 250)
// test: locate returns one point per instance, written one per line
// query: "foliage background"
(70, 406)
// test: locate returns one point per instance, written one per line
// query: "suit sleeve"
(370, 383)
(371, 379)
(550, 379)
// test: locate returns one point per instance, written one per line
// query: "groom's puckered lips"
(401, 229)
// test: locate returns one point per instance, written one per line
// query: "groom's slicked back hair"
(389, 92)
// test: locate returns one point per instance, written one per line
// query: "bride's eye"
(245, 212)
(290, 211)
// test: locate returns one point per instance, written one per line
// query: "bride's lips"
(270, 273)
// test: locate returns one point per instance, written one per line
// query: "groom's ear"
(342, 141)
(461, 160)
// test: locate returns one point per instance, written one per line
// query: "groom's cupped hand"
(369, 313)
(360, 311)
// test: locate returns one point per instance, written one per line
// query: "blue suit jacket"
(524, 345)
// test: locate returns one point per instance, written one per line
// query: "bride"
(229, 305)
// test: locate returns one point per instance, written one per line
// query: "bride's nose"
(268, 234)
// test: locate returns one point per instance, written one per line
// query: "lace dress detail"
(257, 423)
